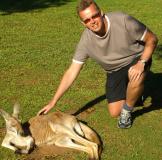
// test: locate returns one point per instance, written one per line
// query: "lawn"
(37, 42)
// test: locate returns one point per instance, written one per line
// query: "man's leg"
(134, 91)
(115, 108)
(116, 87)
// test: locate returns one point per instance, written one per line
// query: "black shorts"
(116, 84)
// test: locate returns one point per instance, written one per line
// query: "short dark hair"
(83, 4)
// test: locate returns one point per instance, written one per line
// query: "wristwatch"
(143, 61)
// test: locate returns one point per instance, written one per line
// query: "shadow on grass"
(90, 104)
(153, 89)
(12, 6)
(159, 51)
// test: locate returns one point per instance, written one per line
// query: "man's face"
(92, 18)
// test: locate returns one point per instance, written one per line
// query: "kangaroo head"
(14, 138)
(13, 124)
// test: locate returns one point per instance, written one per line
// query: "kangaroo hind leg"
(65, 141)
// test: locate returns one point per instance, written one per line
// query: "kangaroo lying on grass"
(55, 128)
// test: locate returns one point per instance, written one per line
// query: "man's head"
(90, 15)
(83, 4)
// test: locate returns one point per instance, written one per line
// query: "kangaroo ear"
(102, 13)
(16, 110)
(4, 114)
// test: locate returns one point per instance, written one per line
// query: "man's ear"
(102, 13)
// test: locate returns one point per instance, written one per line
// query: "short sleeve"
(135, 28)
(81, 52)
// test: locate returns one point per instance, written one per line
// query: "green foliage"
(37, 41)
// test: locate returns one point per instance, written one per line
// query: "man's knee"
(114, 114)
(115, 108)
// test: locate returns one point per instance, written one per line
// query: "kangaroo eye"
(12, 144)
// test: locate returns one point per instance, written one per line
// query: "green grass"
(37, 45)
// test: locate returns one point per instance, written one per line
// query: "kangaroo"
(57, 128)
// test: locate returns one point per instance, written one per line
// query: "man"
(123, 46)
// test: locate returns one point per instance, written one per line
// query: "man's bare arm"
(67, 80)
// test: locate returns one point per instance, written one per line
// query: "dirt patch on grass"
(2, 131)
(48, 152)
(81, 115)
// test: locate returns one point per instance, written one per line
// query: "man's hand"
(45, 109)
(136, 71)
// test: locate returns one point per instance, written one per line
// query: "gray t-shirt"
(118, 47)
